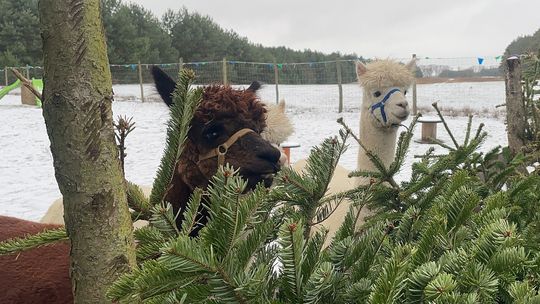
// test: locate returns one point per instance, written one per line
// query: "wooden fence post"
(414, 98)
(224, 71)
(515, 109)
(180, 64)
(141, 81)
(276, 81)
(340, 88)
(28, 72)
(6, 75)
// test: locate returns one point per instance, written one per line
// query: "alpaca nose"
(269, 153)
(402, 104)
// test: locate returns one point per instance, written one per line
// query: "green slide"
(36, 83)
(5, 90)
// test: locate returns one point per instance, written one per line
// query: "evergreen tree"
(20, 42)
(454, 233)
(134, 33)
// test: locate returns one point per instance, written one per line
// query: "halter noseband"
(381, 103)
(222, 149)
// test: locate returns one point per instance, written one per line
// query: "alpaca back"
(39, 275)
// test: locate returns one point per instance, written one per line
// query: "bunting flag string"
(480, 60)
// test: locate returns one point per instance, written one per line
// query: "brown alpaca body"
(39, 275)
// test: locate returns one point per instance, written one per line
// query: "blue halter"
(381, 104)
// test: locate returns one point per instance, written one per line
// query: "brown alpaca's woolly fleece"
(224, 101)
(386, 74)
(39, 275)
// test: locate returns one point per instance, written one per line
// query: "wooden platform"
(429, 129)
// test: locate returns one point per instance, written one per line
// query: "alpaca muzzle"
(380, 105)
(222, 149)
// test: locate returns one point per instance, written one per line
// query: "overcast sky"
(377, 28)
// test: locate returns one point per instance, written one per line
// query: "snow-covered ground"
(28, 185)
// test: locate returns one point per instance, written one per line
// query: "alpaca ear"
(281, 106)
(165, 85)
(254, 86)
(411, 66)
(361, 69)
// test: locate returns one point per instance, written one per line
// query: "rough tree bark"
(515, 108)
(77, 111)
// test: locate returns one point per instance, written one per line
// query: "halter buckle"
(222, 149)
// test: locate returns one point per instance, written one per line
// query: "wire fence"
(468, 84)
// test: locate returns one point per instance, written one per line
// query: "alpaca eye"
(212, 133)
(405, 92)
(377, 94)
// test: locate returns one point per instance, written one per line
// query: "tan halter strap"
(222, 149)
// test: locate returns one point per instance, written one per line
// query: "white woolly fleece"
(385, 74)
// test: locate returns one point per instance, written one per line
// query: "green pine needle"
(43, 238)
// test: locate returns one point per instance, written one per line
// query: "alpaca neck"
(380, 141)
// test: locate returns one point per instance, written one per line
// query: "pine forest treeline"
(134, 33)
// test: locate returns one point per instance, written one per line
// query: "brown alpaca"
(41, 275)
(222, 112)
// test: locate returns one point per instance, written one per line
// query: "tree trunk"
(515, 108)
(78, 115)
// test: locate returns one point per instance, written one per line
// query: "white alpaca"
(384, 108)
(278, 129)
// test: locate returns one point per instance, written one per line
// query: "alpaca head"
(222, 113)
(385, 84)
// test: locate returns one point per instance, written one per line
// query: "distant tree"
(524, 44)
(20, 42)
(7, 58)
(134, 33)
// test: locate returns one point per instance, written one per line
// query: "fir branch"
(374, 158)
(419, 280)
(123, 126)
(327, 208)
(185, 103)
(479, 278)
(191, 212)
(150, 242)
(403, 144)
(391, 283)
(440, 287)
(479, 131)
(445, 124)
(321, 284)
(442, 144)
(138, 201)
(311, 255)
(290, 254)
(163, 219)
(27, 242)
(468, 132)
